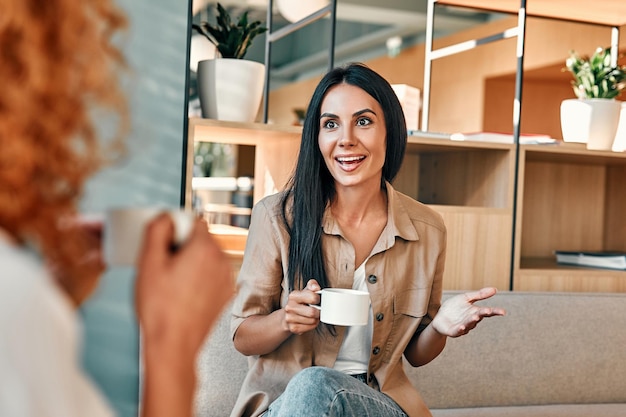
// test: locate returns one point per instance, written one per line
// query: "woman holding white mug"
(341, 224)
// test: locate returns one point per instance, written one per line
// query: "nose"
(347, 138)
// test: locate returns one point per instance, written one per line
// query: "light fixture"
(295, 10)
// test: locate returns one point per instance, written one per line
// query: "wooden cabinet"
(275, 153)
(276, 150)
(507, 207)
(569, 199)
(469, 183)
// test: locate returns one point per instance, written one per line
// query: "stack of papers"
(525, 138)
(610, 260)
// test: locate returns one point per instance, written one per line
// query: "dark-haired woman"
(340, 223)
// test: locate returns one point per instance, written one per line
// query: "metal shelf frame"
(273, 36)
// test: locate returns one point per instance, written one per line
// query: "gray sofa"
(553, 355)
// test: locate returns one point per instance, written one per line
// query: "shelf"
(429, 143)
(604, 12)
(544, 274)
(231, 239)
(571, 199)
(454, 173)
(567, 197)
(550, 266)
(470, 184)
(208, 130)
(275, 150)
(573, 153)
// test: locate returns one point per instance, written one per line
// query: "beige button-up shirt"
(404, 278)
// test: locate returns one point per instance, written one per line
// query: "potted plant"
(593, 116)
(230, 87)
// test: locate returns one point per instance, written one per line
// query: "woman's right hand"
(261, 334)
(179, 297)
(299, 316)
(181, 294)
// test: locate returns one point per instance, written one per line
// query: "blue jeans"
(325, 392)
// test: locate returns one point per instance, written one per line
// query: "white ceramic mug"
(124, 231)
(344, 307)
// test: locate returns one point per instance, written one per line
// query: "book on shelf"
(595, 259)
(499, 137)
(428, 134)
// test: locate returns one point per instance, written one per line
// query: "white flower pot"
(619, 145)
(230, 89)
(591, 121)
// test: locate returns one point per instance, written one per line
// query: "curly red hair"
(58, 65)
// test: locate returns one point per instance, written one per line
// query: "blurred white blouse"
(40, 337)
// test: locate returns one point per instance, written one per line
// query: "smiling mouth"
(347, 160)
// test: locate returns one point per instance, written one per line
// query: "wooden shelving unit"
(567, 198)
(507, 207)
(478, 213)
(276, 149)
(471, 185)
(275, 153)
(570, 199)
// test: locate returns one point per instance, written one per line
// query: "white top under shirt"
(40, 370)
(354, 354)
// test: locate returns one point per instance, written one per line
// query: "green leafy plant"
(231, 40)
(595, 77)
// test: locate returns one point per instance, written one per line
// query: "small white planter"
(230, 89)
(591, 121)
(619, 145)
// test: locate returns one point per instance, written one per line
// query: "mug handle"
(318, 307)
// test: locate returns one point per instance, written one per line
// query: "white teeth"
(349, 158)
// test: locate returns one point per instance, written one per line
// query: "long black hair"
(312, 187)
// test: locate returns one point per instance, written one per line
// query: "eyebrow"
(358, 113)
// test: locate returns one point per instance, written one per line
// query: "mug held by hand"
(343, 306)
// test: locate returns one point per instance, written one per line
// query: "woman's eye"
(363, 121)
(330, 124)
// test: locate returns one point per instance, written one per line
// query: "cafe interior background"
(162, 51)
(364, 30)
(161, 90)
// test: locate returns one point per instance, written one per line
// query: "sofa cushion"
(549, 352)
(221, 371)
(557, 410)
(550, 348)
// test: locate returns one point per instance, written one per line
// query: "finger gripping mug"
(344, 307)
